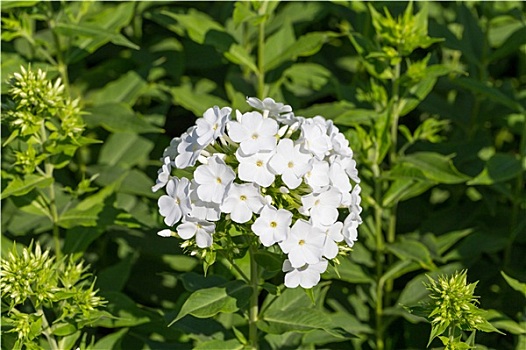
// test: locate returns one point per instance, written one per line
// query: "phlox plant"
(263, 180)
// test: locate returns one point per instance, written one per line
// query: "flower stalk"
(254, 299)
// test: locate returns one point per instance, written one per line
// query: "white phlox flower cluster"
(290, 181)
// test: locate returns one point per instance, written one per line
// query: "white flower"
(339, 179)
(304, 244)
(354, 207)
(333, 234)
(208, 211)
(189, 149)
(163, 175)
(289, 162)
(213, 179)
(272, 225)
(350, 229)
(322, 206)
(274, 108)
(253, 168)
(202, 230)
(253, 132)
(212, 125)
(171, 151)
(241, 201)
(314, 137)
(176, 203)
(165, 233)
(306, 276)
(318, 176)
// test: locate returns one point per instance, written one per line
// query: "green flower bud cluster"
(33, 281)
(42, 118)
(454, 301)
(453, 308)
(402, 35)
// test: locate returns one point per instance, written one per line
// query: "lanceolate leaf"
(515, 284)
(208, 302)
(306, 45)
(19, 186)
(414, 251)
(300, 320)
(435, 167)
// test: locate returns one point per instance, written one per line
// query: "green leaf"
(195, 101)
(239, 55)
(118, 117)
(197, 24)
(62, 329)
(400, 268)
(348, 271)
(76, 217)
(447, 240)
(306, 45)
(95, 33)
(435, 167)
(208, 302)
(304, 79)
(230, 344)
(403, 189)
(193, 282)
(125, 149)
(269, 261)
(113, 278)
(515, 284)
(19, 186)
(499, 168)
(127, 88)
(125, 311)
(510, 46)
(494, 94)
(412, 250)
(112, 340)
(501, 321)
(301, 319)
(414, 291)
(13, 4)
(243, 12)
(415, 95)
(279, 42)
(79, 239)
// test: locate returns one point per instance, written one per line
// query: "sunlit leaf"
(208, 302)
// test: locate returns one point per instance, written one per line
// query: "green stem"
(378, 216)
(46, 330)
(234, 265)
(254, 307)
(53, 212)
(261, 52)
(61, 65)
(393, 155)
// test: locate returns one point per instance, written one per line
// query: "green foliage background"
(443, 191)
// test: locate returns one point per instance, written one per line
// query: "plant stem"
(61, 63)
(46, 330)
(254, 307)
(378, 217)
(261, 52)
(393, 156)
(53, 212)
